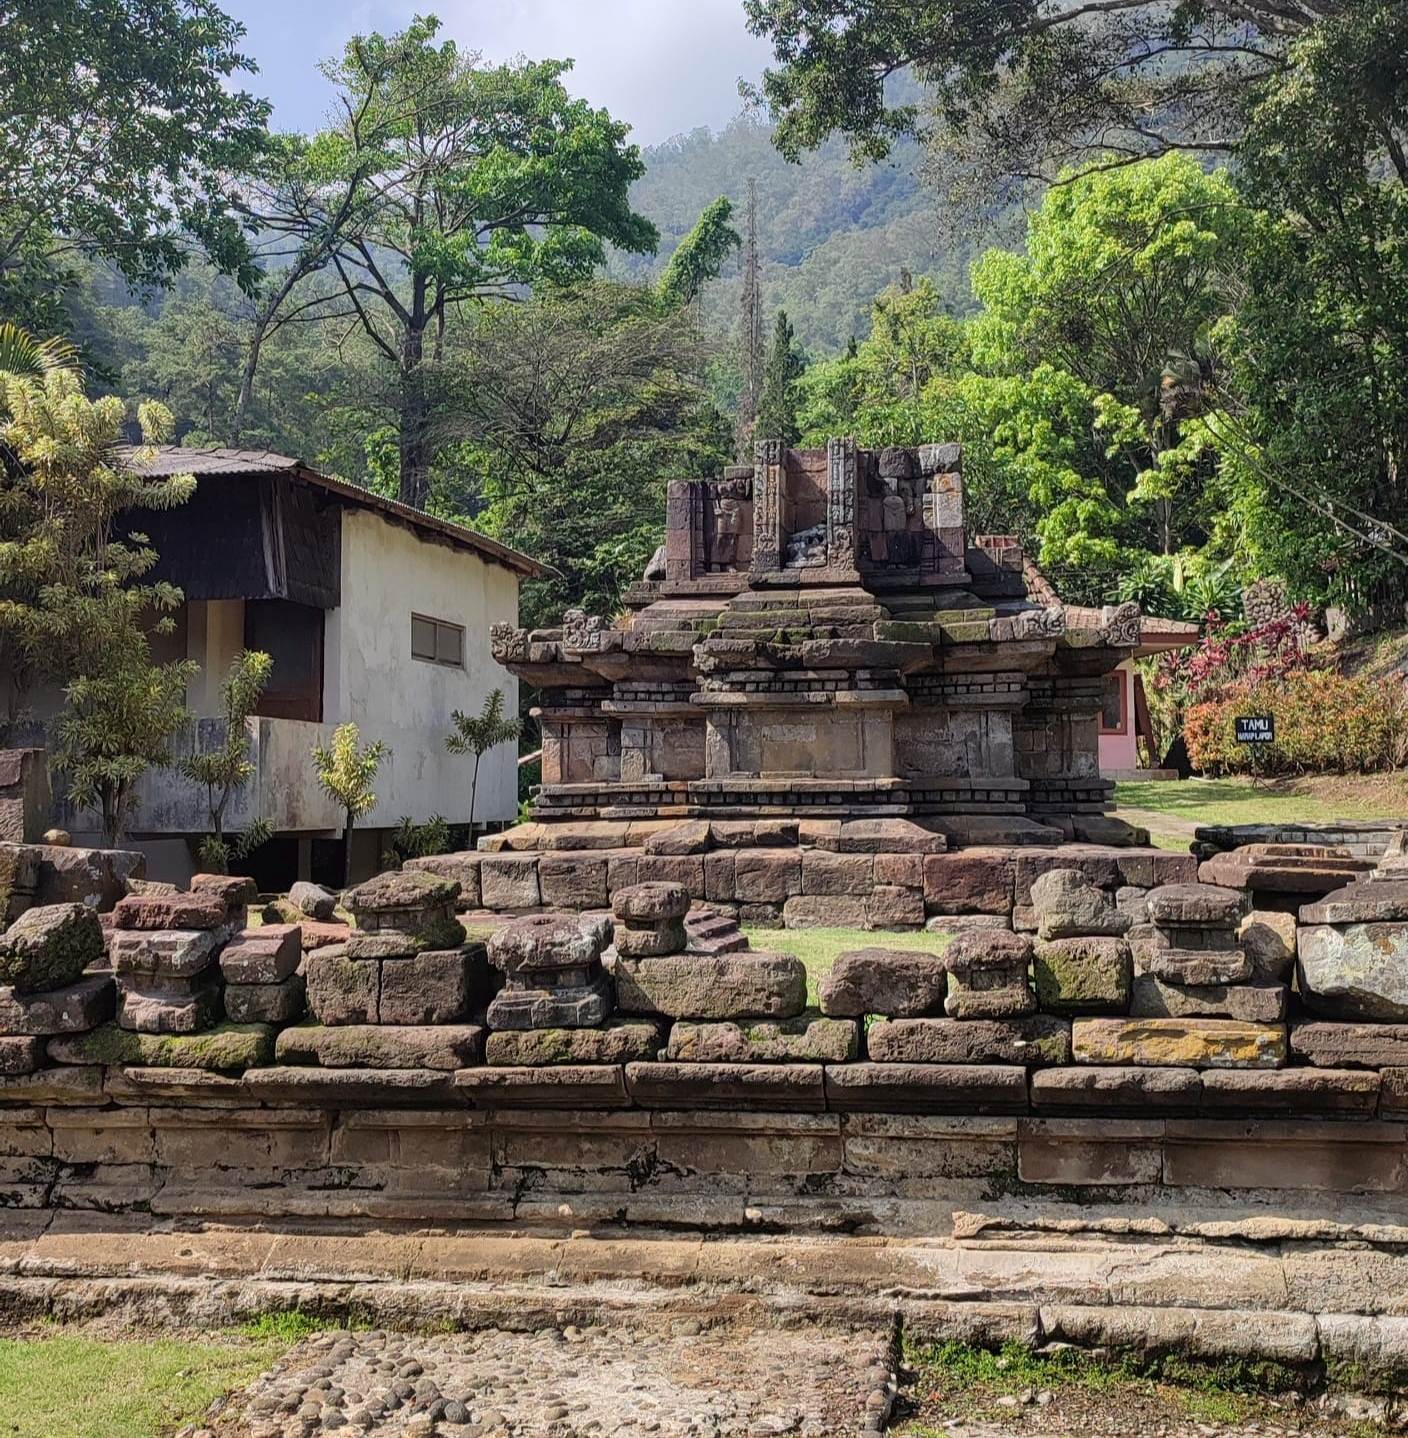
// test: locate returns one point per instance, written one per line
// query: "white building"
(373, 612)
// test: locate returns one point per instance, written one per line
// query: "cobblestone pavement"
(571, 1383)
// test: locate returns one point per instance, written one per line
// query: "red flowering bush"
(1326, 722)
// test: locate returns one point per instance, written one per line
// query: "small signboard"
(1256, 729)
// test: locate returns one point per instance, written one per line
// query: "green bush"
(1326, 723)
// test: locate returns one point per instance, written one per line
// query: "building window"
(1114, 705)
(436, 641)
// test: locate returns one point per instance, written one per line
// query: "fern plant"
(479, 733)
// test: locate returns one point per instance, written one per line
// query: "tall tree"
(750, 335)
(479, 180)
(1025, 87)
(122, 129)
(777, 405)
(699, 257)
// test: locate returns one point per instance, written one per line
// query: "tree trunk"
(251, 365)
(347, 852)
(473, 794)
(415, 436)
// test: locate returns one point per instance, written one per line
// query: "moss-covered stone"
(1082, 976)
(810, 1037)
(620, 1041)
(227, 1048)
(49, 947)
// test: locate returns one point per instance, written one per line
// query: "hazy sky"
(663, 66)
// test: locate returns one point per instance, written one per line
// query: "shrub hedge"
(1325, 723)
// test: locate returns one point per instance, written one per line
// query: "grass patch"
(1315, 800)
(1230, 1392)
(73, 1386)
(290, 1326)
(818, 949)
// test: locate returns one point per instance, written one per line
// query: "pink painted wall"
(1118, 750)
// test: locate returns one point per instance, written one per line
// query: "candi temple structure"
(818, 639)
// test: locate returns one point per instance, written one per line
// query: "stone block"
(688, 837)
(236, 892)
(650, 941)
(95, 877)
(809, 1038)
(435, 987)
(718, 876)
(1116, 1090)
(509, 882)
(1179, 1043)
(888, 906)
(827, 873)
(622, 871)
(443, 1047)
(1355, 1158)
(1350, 1045)
(1068, 905)
(1105, 868)
(888, 836)
(583, 1003)
(399, 892)
(20, 1053)
(157, 1011)
(314, 900)
(170, 911)
(686, 869)
(341, 990)
(1206, 906)
(573, 881)
(726, 1085)
(926, 1088)
(1382, 902)
(953, 924)
(754, 984)
(820, 911)
(350, 1088)
(49, 947)
(566, 1086)
(1084, 975)
(968, 881)
(1263, 1003)
(170, 954)
(904, 871)
(1354, 971)
(651, 903)
(987, 975)
(1297, 1092)
(1052, 1152)
(767, 876)
(226, 1048)
(277, 1003)
(884, 981)
(384, 944)
(73, 1009)
(1268, 939)
(1036, 1041)
(461, 868)
(267, 955)
(617, 1041)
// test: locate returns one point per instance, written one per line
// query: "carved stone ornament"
(508, 643)
(1041, 623)
(582, 632)
(1119, 625)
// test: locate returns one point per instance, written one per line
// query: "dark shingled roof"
(170, 459)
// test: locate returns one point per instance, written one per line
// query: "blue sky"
(664, 66)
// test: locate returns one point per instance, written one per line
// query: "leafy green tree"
(575, 409)
(346, 770)
(476, 734)
(227, 768)
(117, 723)
(72, 600)
(123, 126)
(699, 257)
(1093, 351)
(1025, 88)
(1313, 395)
(477, 181)
(777, 403)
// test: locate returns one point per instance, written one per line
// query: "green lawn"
(1237, 801)
(818, 949)
(75, 1386)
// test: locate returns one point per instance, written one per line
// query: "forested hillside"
(831, 235)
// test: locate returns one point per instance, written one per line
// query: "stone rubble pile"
(404, 990)
(44, 956)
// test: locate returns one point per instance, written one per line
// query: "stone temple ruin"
(819, 640)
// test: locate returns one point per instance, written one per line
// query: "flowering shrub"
(1325, 723)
